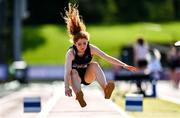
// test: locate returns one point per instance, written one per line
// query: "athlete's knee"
(94, 65)
(74, 72)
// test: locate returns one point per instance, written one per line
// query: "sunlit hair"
(75, 26)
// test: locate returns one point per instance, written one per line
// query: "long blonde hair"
(75, 26)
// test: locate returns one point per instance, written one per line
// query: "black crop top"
(81, 61)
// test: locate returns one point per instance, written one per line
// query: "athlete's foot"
(80, 98)
(109, 89)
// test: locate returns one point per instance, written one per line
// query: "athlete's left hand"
(131, 68)
(68, 92)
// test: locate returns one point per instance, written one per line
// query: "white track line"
(118, 109)
(169, 98)
(51, 102)
(164, 92)
(115, 107)
(10, 97)
(58, 93)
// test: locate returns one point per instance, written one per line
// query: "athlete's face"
(81, 44)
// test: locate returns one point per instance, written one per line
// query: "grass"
(152, 107)
(47, 44)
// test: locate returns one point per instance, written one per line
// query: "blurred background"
(34, 41)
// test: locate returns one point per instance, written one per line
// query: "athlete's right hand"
(68, 92)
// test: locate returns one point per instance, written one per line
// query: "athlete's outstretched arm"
(96, 51)
(67, 73)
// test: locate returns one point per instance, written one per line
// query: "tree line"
(105, 11)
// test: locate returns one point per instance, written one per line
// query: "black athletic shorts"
(81, 72)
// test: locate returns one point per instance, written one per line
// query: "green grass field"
(152, 107)
(47, 44)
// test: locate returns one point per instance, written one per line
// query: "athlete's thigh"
(74, 77)
(90, 74)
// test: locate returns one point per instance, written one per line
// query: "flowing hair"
(75, 26)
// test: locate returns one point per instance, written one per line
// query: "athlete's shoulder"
(94, 49)
(92, 46)
(69, 53)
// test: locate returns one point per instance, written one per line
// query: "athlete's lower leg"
(76, 85)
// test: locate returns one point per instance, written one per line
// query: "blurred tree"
(159, 10)
(145, 10)
(6, 46)
(176, 6)
(45, 11)
(110, 15)
(100, 11)
(131, 10)
(92, 10)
